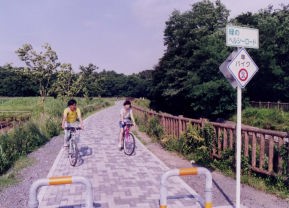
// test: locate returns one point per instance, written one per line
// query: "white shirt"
(126, 115)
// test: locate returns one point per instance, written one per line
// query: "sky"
(121, 35)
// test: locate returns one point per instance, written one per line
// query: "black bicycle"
(73, 151)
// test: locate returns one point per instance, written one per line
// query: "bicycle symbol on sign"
(243, 74)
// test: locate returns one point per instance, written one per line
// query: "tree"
(16, 82)
(67, 83)
(41, 64)
(187, 75)
(272, 80)
(90, 81)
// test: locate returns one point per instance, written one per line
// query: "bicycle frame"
(126, 130)
(73, 134)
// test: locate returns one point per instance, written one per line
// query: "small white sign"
(242, 37)
(243, 68)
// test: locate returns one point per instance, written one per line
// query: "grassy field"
(51, 105)
(272, 119)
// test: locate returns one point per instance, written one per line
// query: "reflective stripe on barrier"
(184, 172)
(33, 201)
(60, 180)
(188, 171)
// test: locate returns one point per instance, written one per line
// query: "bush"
(192, 140)
(171, 143)
(209, 134)
(5, 160)
(52, 127)
(227, 161)
(21, 141)
(154, 128)
(151, 126)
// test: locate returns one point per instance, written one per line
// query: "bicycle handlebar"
(73, 128)
(128, 124)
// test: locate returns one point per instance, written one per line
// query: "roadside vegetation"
(45, 122)
(142, 102)
(11, 177)
(196, 144)
(272, 119)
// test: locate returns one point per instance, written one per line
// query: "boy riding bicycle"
(126, 115)
(70, 116)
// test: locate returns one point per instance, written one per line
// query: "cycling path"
(119, 181)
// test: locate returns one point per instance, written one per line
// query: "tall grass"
(145, 103)
(272, 119)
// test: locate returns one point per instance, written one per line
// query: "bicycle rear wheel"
(73, 154)
(129, 144)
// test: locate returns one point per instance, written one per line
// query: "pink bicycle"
(128, 139)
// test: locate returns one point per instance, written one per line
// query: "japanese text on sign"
(242, 37)
(242, 67)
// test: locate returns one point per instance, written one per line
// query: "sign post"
(239, 70)
(239, 145)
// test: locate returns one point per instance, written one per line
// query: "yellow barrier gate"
(33, 201)
(184, 172)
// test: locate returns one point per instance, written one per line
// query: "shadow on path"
(83, 152)
(223, 193)
(95, 205)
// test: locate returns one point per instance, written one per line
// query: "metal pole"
(239, 142)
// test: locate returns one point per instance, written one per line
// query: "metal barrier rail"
(184, 172)
(33, 201)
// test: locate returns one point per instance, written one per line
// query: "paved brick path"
(118, 180)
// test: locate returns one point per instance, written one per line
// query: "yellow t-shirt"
(71, 115)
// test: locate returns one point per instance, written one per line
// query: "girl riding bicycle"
(126, 115)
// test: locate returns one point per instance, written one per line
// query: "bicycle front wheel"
(129, 144)
(73, 154)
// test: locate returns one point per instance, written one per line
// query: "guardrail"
(270, 105)
(267, 151)
(185, 172)
(62, 180)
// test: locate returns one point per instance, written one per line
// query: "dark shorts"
(121, 125)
